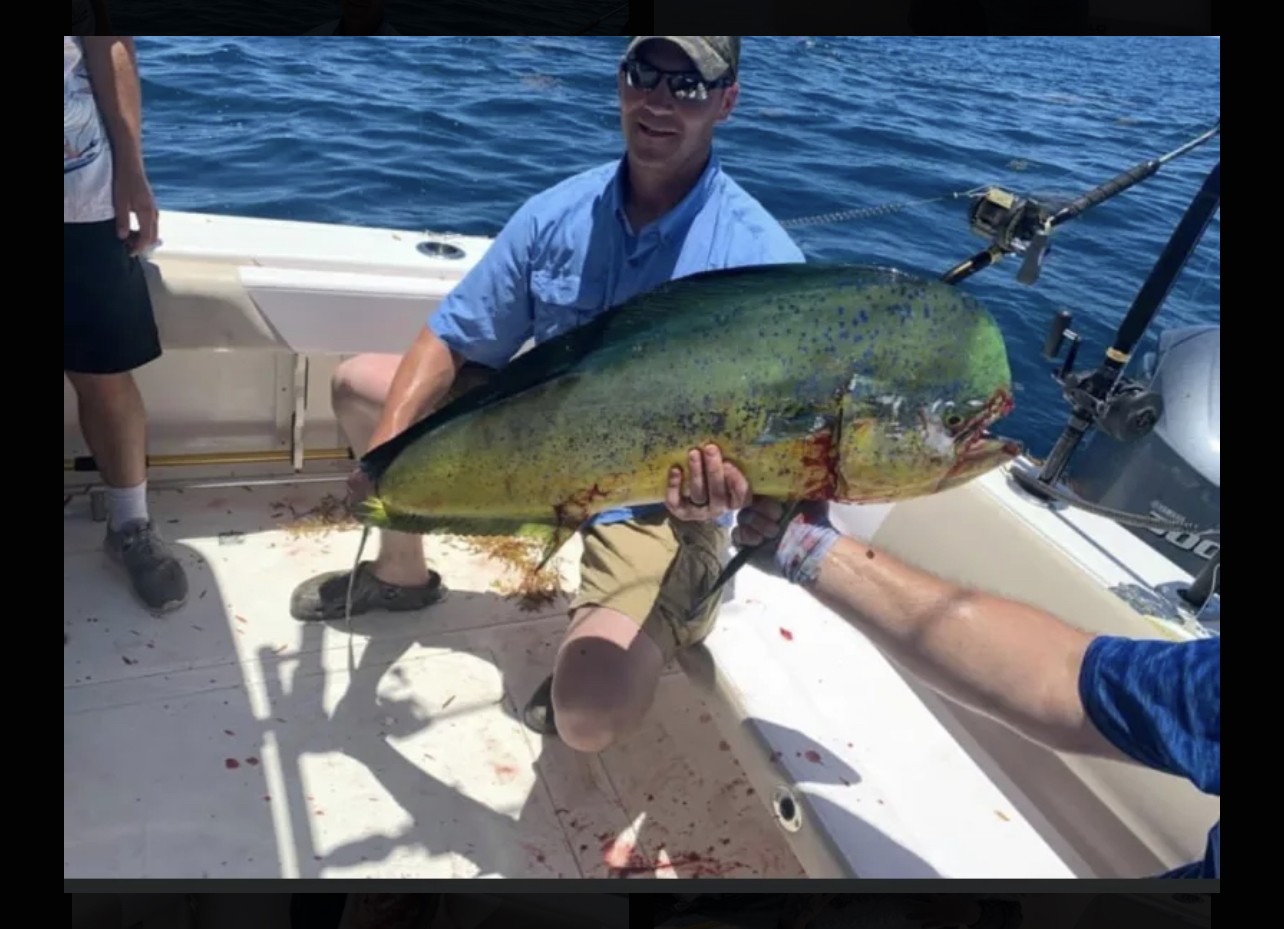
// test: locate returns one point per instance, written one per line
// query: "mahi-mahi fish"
(847, 383)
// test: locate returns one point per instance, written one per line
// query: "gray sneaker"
(155, 574)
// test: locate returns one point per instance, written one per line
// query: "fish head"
(898, 448)
(929, 377)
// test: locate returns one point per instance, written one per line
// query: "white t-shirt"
(86, 150)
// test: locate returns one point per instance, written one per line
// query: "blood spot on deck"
(786, 634)
(813, 756)
(251, 760)
(231, 763)
(706, 718)
(505, 772)
(723, 746)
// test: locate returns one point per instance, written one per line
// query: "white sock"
(127, 503)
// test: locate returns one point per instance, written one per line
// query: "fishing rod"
(1024, 225)
(1103, 398)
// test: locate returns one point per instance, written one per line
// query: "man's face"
(660, 129)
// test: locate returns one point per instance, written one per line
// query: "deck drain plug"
(786, 808)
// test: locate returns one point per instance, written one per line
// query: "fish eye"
(953, 420)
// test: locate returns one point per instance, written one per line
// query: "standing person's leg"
(109, 331)
(639, 578)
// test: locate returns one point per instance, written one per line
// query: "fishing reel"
(1013, 225)
(1121, 407)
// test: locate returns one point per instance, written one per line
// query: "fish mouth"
(983, 452)
(987, 445)
(977, 449)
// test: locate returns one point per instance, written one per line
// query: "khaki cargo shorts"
(654, 570)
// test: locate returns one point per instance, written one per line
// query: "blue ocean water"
(453, 133)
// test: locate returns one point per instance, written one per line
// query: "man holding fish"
(664, 211)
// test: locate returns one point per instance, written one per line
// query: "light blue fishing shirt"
(569, 253)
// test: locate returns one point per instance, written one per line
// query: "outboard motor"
(1174, 471)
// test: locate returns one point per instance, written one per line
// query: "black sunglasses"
(684, 85)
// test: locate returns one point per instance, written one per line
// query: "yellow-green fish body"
(848, 383)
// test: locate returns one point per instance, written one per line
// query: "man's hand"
(715, 487)
(359, 487)
(132, 194)
(794, 551)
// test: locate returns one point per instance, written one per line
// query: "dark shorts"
(108, 325)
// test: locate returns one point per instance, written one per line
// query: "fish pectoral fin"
(552, 546)
(567, 520)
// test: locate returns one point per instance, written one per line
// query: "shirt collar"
(675, 221)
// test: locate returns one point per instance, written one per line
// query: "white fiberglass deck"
(228, 739)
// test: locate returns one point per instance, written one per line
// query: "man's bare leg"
(358, 390)
(638, 579)
(399, 578)
(604, 678)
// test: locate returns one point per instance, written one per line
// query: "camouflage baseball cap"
(714, 55)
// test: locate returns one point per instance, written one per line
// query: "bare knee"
(605, 680)
(110, 389)
(358, 389)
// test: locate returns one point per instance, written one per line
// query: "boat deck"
(229, 740)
